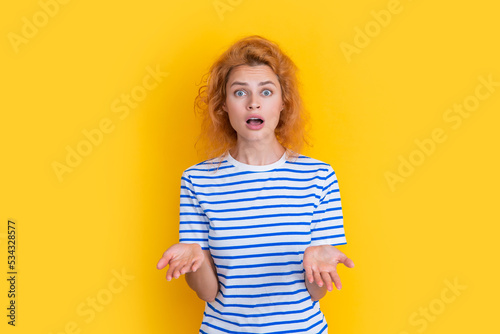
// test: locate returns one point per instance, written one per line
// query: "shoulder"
(309, 163)
(322, 171)
(208, 167)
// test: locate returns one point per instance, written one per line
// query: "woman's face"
(253, 102)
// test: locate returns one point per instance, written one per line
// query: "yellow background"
(117, 210)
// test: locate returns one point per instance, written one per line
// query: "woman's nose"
(254, 104)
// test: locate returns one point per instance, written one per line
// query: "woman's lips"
(255, 123)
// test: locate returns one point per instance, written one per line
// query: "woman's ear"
(224, 107)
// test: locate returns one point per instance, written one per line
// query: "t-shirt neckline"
(256, 168)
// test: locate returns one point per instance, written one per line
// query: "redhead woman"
(259, 221)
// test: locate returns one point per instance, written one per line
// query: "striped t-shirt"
(257, 221)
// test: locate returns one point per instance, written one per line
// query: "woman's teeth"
(254, 121)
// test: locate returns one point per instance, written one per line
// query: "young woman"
(259, 222)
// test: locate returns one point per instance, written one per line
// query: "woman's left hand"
(320, 264)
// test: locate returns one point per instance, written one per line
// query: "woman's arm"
(204, 281)
(317, 292)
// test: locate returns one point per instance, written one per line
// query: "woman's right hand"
(182, 259)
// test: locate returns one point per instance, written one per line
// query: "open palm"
(181, 258)
(320, 264)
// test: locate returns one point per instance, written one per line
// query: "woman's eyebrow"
(246, 84)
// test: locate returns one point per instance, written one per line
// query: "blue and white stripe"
(257, 221)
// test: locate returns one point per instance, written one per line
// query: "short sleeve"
(193, 224)
(327, 225)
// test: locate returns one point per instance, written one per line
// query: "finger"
(196, 264)
(336, 279)
(177, 271)
(347, 262)
(172, 267)
(162, 263)
(185, 268)
(344, 259)
(317, 278)
(327, 279)
(309, 275)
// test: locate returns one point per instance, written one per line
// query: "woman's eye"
(238, 93)
(268, 92)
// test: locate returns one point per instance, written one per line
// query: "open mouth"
(254, 121)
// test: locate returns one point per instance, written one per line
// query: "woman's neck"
(258, 153)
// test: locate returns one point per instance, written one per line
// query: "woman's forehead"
(252, 73)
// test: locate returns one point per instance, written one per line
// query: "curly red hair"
(217, 135)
